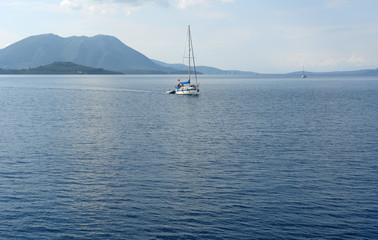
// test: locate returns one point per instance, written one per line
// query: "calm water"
(113, 157)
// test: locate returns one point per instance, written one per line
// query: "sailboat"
(303, 73)
(189, 87)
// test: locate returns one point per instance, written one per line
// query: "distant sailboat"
(188, 87)
(303, 73)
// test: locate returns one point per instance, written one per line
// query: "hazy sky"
(266, 36)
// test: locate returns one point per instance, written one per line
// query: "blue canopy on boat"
(185, 82)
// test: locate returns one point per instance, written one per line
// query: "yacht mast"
(189, 42)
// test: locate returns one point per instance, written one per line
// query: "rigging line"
(194, 64)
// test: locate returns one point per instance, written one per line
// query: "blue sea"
(113, 157)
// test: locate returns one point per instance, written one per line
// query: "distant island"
(59, 68)
(364, 72)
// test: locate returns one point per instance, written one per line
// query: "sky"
(265, 36)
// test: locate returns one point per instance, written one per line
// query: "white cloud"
(72, 4)
(135, 3)
(184, 4)
(110, 6)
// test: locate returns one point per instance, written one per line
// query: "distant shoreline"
(69, 68)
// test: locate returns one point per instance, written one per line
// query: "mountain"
(202, 69)
(59, 68)
(108, 52)
(100, 51)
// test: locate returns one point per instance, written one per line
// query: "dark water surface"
(113, 157)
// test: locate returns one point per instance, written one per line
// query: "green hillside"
(59, 68)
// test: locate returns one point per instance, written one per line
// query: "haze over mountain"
(100, 51)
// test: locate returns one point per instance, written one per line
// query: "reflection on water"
(94, 157)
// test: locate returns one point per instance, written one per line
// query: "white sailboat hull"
(192, 90)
